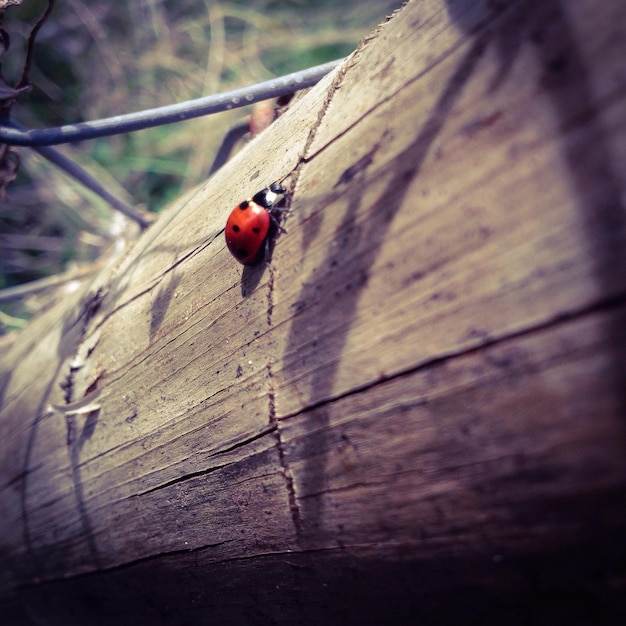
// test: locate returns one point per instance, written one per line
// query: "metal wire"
(167, 114)
(76, 172)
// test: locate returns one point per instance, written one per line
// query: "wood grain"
(420, 397)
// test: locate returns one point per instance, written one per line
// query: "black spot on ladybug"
(256, 230)
(236, 228)
(244, 205)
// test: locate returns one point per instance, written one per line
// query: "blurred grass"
(96, 60)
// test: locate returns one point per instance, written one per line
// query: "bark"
(414, 413)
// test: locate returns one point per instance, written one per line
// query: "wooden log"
(415, 412)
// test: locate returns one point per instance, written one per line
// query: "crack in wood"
(128, 565)
(245, 442)
(204, 472)
(270, 295)
(38, 583)
(181, 479)
(284, 465)
(89, 308)
(484, 343)
(304, 158)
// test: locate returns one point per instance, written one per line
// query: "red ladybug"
(251, 224)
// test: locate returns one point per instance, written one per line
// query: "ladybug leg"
(275, 215)
(268, 251)
(275, 220)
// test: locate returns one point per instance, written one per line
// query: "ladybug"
(252, 223)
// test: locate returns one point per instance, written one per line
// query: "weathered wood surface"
(418, 410)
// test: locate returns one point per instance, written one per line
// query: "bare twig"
(25, 77)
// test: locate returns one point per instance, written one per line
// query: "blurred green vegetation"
(98, 59)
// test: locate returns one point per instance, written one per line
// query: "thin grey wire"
(167, 114)
(75, 171)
